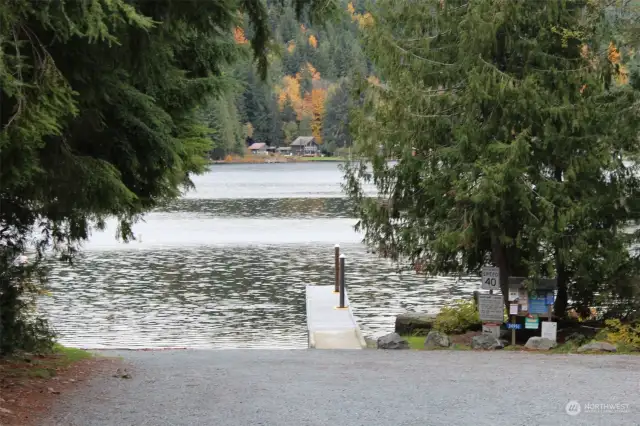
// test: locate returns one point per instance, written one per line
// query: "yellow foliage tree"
(372, 79)
(311, 105)
(315, 75)
(318, 98)
(291, 47)
(352, 10)
(614, 56)
(248, 130)
(313, 41)
(238, 36)
(365, 20)
(290, 90)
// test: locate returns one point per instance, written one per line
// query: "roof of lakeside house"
(302, 141)
(258, 145)
(283, 148)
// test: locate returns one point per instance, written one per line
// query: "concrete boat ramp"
(329, 326)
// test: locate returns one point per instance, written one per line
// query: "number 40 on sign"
(490, 278)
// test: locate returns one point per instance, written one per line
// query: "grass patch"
(71, 355)
(460, 347)
(322, 159)
(415, 342)
(27, 366)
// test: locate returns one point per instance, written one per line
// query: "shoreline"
(278, 160)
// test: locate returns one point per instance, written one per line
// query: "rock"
(5, 411)
(540, 343)
(486, 341)
(55, 392)
(392, 341)
(413, 323)
(436, 339)
(597, 346)
(122, 374)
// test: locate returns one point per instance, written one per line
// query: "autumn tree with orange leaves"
(309, 104)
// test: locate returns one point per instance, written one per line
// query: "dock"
(329, 326)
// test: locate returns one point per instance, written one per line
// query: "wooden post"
(336, 288)
(342, 284)
(513, 331)
(550, 308)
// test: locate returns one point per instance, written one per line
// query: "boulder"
(436, 339)
(597, 346)
(392, 341)
(540, 343)
(413, 323)
(486, 341)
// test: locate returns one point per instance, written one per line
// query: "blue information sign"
(514, 326)
(537, 303)
(549, 298)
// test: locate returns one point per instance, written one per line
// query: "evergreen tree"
(290, 131)
(335, 126)
(514, 141)
(288, 113)
(305, 126)
(98, 118)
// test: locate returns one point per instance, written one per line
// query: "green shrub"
(458, 317)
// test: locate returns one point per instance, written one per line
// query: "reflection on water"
(299, 208)
(229, 272)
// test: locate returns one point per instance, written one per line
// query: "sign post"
(513, 312)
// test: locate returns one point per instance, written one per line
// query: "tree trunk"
(499, 257)
(560, 305)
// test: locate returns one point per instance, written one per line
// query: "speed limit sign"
(490, 278)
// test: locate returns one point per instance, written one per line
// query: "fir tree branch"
(396, 45)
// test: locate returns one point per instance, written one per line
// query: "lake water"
(226, 267)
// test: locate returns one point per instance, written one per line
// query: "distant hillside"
(306, 92)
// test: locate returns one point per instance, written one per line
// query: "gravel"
(368, 387)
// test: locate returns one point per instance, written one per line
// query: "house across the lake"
(258, 148)
(283, 150)
(304, 145)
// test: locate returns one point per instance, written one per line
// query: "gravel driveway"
(345, 388)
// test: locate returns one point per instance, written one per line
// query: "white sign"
(513, 309)
(513, 295)
(490, 278)
(550, 330)
(491, 307)
(523, 299)
(494, 330)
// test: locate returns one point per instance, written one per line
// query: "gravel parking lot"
(367, 387)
